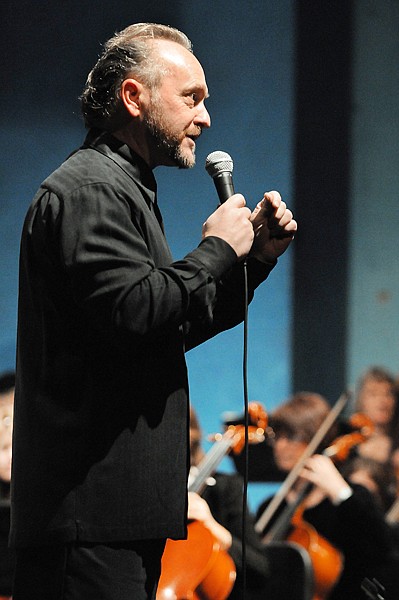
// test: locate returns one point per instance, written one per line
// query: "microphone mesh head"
(218, 162)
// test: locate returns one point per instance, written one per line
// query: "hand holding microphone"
(273, 226)
(232, 222)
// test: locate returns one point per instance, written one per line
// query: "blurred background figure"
(379, 478)
(341, 512)
(220, 508)
(7, 385)
(376, 398)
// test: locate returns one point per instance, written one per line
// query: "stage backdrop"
(304, 98)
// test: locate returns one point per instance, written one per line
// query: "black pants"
(118, 571)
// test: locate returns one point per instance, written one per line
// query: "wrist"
(266, 260)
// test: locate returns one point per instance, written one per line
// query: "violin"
(363, 428)
(197, 568)
(327, 561)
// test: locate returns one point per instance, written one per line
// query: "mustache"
(194, 134)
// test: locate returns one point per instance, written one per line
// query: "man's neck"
(136, 142)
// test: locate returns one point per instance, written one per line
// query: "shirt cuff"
(343, 495)
(216, 255)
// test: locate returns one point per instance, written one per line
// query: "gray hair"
(128, 52)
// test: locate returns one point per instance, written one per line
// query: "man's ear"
(131, 90)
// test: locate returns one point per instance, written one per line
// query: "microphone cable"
(246, 425)
(219, 165)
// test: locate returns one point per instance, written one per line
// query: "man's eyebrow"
(198, 88)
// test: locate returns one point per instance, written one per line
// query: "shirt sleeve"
(364, 526)
(110, 269)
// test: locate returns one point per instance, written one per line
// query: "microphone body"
(224, 186)
(219, 165)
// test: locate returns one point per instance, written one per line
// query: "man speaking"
(105, 315)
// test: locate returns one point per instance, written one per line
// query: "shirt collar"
(131, 162)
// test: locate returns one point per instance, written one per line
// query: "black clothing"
(77, 572)
(101, 423)
(357, 528)
(225, 500)
(6, 554)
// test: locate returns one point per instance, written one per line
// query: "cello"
(197, 568)
(327, 560)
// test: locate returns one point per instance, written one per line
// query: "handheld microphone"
(219, 165)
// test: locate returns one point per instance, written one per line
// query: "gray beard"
(167, 143)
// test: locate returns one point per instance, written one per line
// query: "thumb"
(236, 200)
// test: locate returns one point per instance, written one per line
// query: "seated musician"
(220, 509)
(346, 515)
(378, 477)
(376, 398)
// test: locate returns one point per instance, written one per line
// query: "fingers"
(321, 471)
(316, 467)
(318, 462)
(232, 222)
(273, 198)
(274, 205)
(198, 508)
(280, 218)
(236, 200)
(274, 227)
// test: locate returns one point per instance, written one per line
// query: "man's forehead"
(175, 55)
(170, 49)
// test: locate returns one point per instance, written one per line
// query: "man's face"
(176, 112)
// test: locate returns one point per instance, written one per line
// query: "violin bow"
(311, 448)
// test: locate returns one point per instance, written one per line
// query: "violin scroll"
(258, 415)
(236, 433)
(363, 428)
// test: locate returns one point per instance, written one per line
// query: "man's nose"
(203, 118)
